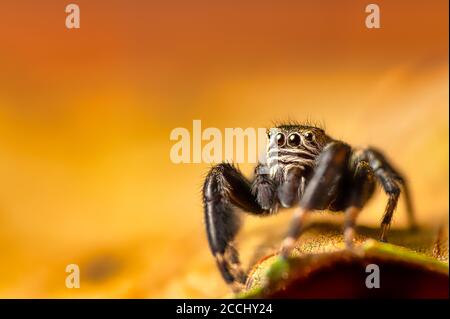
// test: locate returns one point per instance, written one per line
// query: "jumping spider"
(307, 168)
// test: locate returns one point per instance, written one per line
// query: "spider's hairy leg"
(321, 189)
(225, 188)
(391, 181)
(361, 187)
(405, 188)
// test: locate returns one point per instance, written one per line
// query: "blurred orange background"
(85, 118)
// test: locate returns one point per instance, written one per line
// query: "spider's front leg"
(321, 189)
(361, 186)
(225, 189)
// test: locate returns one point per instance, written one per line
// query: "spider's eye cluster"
(281, 139)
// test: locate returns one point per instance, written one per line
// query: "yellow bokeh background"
(85, 118)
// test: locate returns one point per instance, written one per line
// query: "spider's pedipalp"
(288, 191)
(264, 188)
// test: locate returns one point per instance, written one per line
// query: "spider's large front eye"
(294, 140)
(280, 139)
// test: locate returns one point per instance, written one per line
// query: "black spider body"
(307, 169)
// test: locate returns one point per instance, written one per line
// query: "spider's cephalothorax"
(304, 168)
(291, 154)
